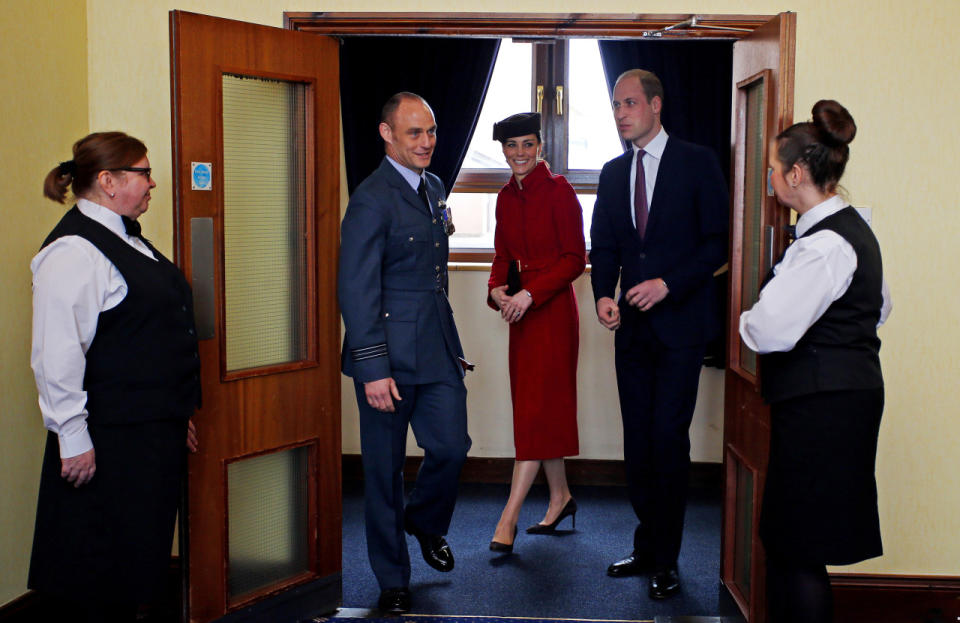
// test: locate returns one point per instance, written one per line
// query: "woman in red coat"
(539, 253)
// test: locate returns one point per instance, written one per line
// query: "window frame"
(550, 63)
(550, 69)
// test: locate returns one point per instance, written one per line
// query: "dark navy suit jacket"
(392, 283)
(685, 241)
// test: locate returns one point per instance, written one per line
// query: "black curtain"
(697, 91)
(696, 79)
(451, 74)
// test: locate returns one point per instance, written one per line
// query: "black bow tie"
(131, 226)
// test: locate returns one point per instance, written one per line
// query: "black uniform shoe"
(634, 564)
(664, 583)
(394, 601)
(434, 547)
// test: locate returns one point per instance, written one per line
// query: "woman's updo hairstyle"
(821, 144)
(100, 151)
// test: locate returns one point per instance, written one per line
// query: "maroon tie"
(640, 196)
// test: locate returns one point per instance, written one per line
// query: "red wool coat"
(541, 226)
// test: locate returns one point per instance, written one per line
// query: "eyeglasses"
(144, 171)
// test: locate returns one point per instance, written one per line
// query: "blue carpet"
(546, 577)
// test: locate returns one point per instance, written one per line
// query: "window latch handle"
(559, 101)
(539, 98)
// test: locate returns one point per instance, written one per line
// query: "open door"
(256, 167)
(762, 107)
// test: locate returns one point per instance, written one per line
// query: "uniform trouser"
(658, 393)
(437, 412)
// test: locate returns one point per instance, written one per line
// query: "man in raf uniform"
(402, 349)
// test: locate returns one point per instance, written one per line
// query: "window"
(564, 80)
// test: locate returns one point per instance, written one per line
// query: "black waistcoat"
(841, 350)
(142, 364)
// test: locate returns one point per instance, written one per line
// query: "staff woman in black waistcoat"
(815, 327)
(115, 360)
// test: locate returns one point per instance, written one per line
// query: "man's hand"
(381, 394)
(647, 293)
(608, 313)
(193, 442)
(512, 308)
(79, 470)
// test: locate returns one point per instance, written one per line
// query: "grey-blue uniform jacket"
(392, 284)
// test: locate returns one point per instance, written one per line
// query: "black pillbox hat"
(519, 124)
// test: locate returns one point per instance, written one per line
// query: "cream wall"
(896, 71)
(43, 69)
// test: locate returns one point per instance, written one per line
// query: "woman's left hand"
(513, 308)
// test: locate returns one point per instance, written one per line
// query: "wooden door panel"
(762, 107)
(254, 412)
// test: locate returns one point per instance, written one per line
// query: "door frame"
(766, 58)
(549, 25)
(559, 25)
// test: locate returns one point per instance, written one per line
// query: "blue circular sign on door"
(202, 176)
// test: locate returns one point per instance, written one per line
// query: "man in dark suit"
(402, 349)
(660, 227)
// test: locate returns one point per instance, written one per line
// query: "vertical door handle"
(559, 101)
(768, 241)
(201, 255)
(539, 98)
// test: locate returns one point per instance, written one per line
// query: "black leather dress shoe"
(664, 583)
(394, 601)
(634, 564)
(434, 547)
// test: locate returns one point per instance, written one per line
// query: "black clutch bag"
(513, 278)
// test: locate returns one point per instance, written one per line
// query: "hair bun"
(835, 123)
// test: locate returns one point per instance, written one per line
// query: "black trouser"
(658, 393)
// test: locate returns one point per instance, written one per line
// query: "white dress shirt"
(815, 271)
(73, 282)
(651, 164)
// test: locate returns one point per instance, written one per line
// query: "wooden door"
(256, 188)
(762, 107)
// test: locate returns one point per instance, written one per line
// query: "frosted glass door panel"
(264, 221)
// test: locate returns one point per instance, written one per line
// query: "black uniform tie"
(422, 191)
